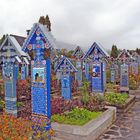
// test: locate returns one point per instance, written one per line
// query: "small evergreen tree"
(114, 51)
(2, 39)
(138, 51)
(45, 21)
(42, 20)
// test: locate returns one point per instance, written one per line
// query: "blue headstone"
(86, 70)
(65, 67)
(113, 73)
(97, 57)
(39, 40)
(124, 83)
(112, 76)
(11, 55)
(79, 72)
(98, 84)
(134, 67)
(23, 72)
(10, 79)
(16, 69)
(66, 87)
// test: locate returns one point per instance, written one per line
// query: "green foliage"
(45, 21)
(2, 39)
(110, 85)
(2, 104)
(19, 75)
(138, 51)
(20, 104)
(114, 51)
(96, 103)
(78, 116)
(63, 51)
(69, 54)
(85, 92)
(134, 81)
(116, 98)
(108, 75)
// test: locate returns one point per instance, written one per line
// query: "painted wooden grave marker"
(97, 57)
(124, 83)
(134, 68)
(113, 70)
(65, 67)
(40, 40)
(24, 68)
(10, 53)
(97, 77)
(78, 55)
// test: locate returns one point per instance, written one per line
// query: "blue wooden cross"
(78, 55)
(40, 40)
(113, 73)
(65, 67)
(96, 55)
(24, 68)
(124, 78)
(124, 75)
(9, 75)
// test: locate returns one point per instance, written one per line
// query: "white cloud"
(77, 21)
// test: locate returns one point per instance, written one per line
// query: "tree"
(69, 53)
(138, 51)
(2, 39)
(42, 20)
(45, 21)
(114, 51)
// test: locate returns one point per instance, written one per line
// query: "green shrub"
(116, 98)
(85, 92)
(110, 85)
(95, 103)
(78, 116)
(19, 75)
(2, 104)
(20, 104)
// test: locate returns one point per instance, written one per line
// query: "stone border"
(129, 103)
(90, 131)
(124, 108)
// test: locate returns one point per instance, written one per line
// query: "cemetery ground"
(68, 112)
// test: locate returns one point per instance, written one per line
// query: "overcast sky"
(78, 22)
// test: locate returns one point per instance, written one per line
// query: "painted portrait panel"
(39, 75)
(96, 71)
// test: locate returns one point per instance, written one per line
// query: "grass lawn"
(78, 116)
